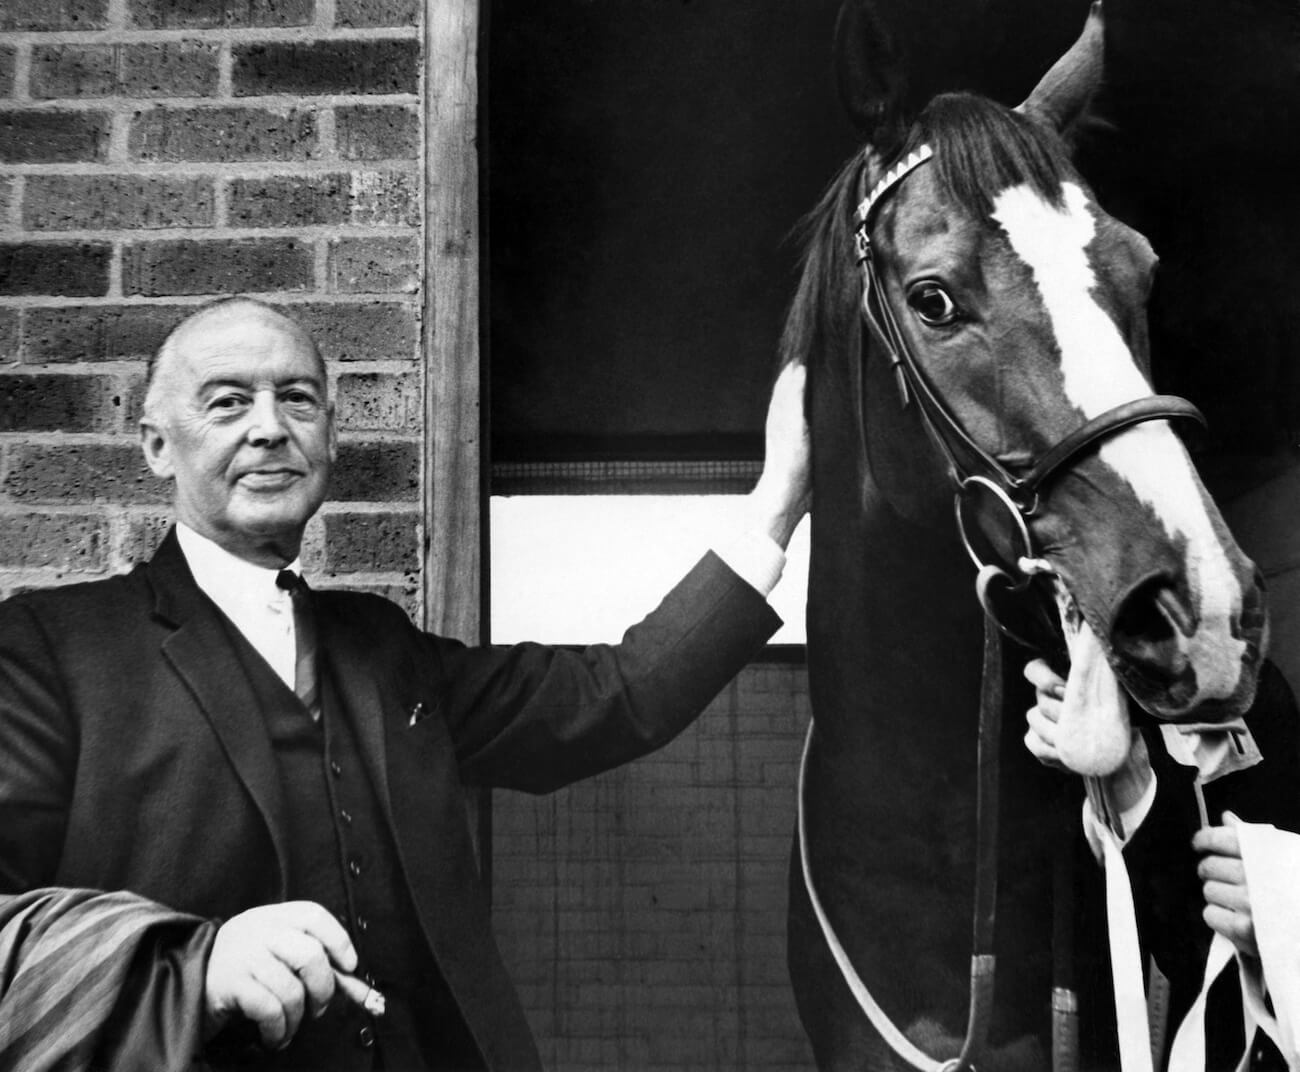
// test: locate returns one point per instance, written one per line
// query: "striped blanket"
(104, 981)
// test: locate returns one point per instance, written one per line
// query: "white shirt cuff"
(756, 558)
(1130, 818)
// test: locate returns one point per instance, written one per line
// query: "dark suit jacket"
(134, 756)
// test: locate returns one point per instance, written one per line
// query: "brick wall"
(642, 913)
(155, 154)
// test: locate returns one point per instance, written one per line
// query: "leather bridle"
(967, 464)
(965, 459)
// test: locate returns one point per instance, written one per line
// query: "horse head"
(1011, 307)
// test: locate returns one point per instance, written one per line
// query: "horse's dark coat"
(1191, 142)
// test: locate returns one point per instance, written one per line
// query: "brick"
(6, 200)
(53, 541)
(73, 71)
(7, 56)
(185, 266)
(53, 14)
(388, 542)
(368, 66)
(377, 472)
(210, 14)
(74, 269)
(94, 202)
(97, 333)
(81, 472)
(143, 535)
(376, 12)
(377, 132)
(345, 331)
(378, 401)
(169, 69)
(51, 137)
(376, 331)
(59, 404)
(374, 265)
(10, 336)
(222, 134)
(362, 198)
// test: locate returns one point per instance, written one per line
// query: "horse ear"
(1064, 91)
(869, 69)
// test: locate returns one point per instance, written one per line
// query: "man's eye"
(299, 398)
(226, 402)
(933, 304)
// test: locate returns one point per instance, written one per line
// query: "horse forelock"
(982, 147)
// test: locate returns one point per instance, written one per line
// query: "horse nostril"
(1148, 625)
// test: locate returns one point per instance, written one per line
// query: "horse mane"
(980, 148)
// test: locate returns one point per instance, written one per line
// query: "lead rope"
(983, 961)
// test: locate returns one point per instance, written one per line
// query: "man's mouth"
(268, 479)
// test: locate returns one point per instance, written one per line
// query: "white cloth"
(1132, 1026)
(1271, 998)
(248, 596)
(1271, 858)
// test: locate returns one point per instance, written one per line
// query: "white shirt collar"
(225, 578)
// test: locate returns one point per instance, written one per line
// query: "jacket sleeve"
(88, 979)
(39, 753)
(535, 718)
(104, 981)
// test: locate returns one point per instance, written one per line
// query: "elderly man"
(231, 808)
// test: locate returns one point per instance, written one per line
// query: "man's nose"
(266, 426)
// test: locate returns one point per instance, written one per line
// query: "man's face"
(242, 422)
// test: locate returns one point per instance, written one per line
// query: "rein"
(967, 462)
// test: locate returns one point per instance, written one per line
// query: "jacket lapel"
(200, 651)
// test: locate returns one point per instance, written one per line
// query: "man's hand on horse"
(784, 491)
(1126, 786)
(1223, 882)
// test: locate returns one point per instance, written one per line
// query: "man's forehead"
(244, 342)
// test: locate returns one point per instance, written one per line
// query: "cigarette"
(363, 994)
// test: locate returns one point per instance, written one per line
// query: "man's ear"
(156, 447)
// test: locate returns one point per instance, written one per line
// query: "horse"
(1005, 318)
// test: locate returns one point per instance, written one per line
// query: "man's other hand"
(784, 491)
(274, 963)
(1126, 786)
(1223, 882)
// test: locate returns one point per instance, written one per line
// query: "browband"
(891, 178)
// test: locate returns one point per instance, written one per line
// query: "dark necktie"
(304, 628)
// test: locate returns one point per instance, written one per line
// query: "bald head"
(209, 320)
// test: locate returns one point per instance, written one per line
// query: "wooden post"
(453, 480)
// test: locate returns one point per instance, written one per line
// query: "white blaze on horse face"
(1100, 373)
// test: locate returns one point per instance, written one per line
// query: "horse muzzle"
(1186, 654)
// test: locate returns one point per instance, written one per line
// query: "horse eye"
(932, 304)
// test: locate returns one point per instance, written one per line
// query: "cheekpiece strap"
(891, 178)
